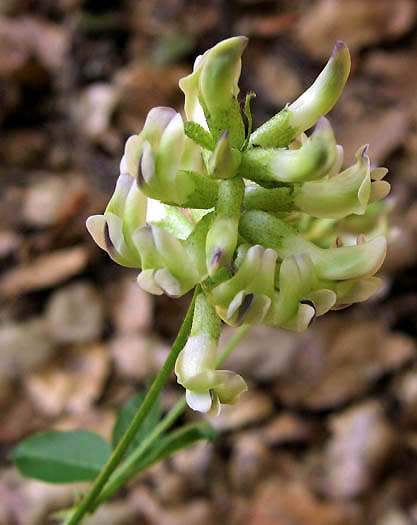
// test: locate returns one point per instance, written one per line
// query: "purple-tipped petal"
(322, 123)
(364, 152)
(339, 45)
(215, 260)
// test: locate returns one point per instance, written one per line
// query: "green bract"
(267, 222)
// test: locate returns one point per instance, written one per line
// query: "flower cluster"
(269, 223)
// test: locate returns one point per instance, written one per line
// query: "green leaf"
(199, 135)
(127, 413)
(62, 457)
(175, 441)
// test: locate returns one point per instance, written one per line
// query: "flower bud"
(349, 262)
(162, 159)
(317, 101)
(341, 195)
(211, 90)
(195, 368)
(313, 160)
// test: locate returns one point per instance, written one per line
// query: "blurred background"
(327, 434)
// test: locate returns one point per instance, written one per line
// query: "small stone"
(24, 347)
(405, 390)
(73, 384)
(26, 501)
(75, 314)
(9, 242)
(95, 107)
(249, 461)
(140, 85)
(394, 517)
(360, 445)
(48, 198)
(194, 463)
(287, 428)
(42, 202)
(356, 131)
(171, 488)
(18, 419)
(279, 501)
(132, 355)
(341, 360)
(116, 513)
(194, 512)
(132, 307)
(93, 419)
(265, 354)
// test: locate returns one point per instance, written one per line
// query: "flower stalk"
(262, 220)
(265, 224)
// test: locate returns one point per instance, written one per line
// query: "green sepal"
(199, 135)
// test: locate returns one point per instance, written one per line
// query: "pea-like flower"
(124, 214)
(245, 298)
(313, 160)
(169, 264)
(211, 90)
(348, 192)
(206, 387)
(166, 164)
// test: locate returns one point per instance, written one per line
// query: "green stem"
(128, 469)
(179, 343)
